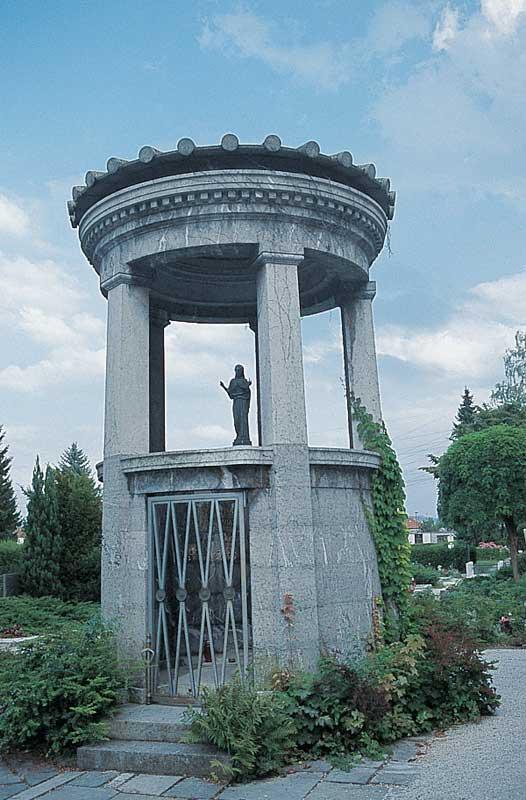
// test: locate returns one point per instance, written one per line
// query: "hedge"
(492, 553)
(434, 555)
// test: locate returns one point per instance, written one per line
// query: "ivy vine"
(386, 521)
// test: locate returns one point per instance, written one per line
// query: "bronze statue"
(239, 391)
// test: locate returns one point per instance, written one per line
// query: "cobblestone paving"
(459, 765)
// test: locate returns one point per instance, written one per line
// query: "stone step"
(149, 723)
(152, 758)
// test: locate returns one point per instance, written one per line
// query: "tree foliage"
(482, 484)
(465, 415)
(9, 517)
(41, 573)
(73, 459)
(80, 517)
(512, 390)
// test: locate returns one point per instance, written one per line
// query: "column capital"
(284, 259)
(364, 291)
(122, 277)
(158, 316)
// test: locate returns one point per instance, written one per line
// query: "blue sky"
(432, 92)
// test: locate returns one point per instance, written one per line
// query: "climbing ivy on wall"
(387, 522)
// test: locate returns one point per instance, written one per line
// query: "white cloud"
(457, 121)
(41, 303)
(503, 15)
(471, 342)
(446, 29)
(212, 433)
(324, 64)
(13, 219)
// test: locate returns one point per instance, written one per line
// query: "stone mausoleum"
(227, 557)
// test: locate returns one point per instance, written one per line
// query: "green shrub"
(11, 556)
(506, 572)
(252, 727)
(478, 605)
(423, 574)
(44, 614)
(55, 692)
(435, 555)
(491, 553)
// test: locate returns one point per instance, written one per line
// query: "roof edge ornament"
(152, 163)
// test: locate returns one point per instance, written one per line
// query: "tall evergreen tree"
(80, 514)
(73, 459)
(466, 414)
(41, 574)
(9, 516)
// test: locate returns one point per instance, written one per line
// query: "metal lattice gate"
(198, 605)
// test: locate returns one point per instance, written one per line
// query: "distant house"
(417, 535)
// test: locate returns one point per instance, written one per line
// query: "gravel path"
(484, 761)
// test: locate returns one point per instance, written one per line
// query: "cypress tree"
(465, 418)
(9, 516)
(42, 573)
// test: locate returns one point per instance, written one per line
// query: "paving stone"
(121, 778)
(6, 776)
(94, 778)
(52, 783)
(339, 791)
(194, 788)
(319, 766)
(291, 787)
(358, 774)
(405, 751)
(396, 775)
(80, 793)
(11, 789)
(150, 784)
(34, 774)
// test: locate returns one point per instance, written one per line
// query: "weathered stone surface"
(94, 779)
(150, 784)
(152, 758)
(10, 790)
(338, 791)
(293, 787)
(194, 789)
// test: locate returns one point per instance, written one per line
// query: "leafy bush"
(478, 605)
(55, 691)
(423, 574)
(435, 555)
(492, 553)
(11, 556)
(506, 572)
(252, 727)
(432, 679)
(44, 614)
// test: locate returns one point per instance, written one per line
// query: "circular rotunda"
(257, 555)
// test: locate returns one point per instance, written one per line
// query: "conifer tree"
(80, 515)
(41, 574)
(74, 459)
(9, 516)
(466, 415)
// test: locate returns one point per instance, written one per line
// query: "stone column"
(253, 324)
(158, 322)
(285, 619)
(359, 355)
(126, 431)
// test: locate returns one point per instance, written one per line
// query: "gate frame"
(202, 495)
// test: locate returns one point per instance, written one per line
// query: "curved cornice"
(270, 155)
